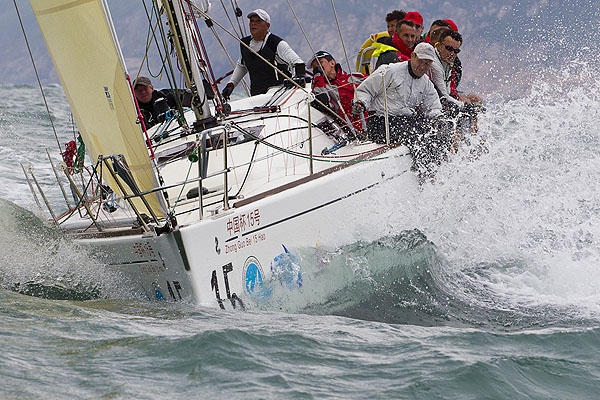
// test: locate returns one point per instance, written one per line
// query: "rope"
(172, 212)
(305, 156)
(37, 76)
(230, 21)
(237, 17)
(348, 121)
(146, 58)
(170, 72)
(207, 70)
(341, 37)
(243, 82)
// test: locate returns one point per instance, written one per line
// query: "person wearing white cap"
(274, 49)
(411, 101)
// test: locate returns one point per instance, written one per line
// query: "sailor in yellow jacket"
(391, 20)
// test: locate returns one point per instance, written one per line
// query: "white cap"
(424, 51)
(262, 14)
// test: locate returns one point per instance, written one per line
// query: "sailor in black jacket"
(155, 103)
(274, 49)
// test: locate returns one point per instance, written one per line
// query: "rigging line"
(342, 39)
(170, 214)
(237, 17)
(171, 78)
(85, 187)
(303, 155)
(348, 121)
(230, 21)
(37, 77)
(146, 58)
(158, 25)
(243, 81)
(207, 67)
(211, 27)
(244, 25)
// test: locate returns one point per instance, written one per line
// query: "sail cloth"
(82, 44)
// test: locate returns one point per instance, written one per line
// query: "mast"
(188, 57)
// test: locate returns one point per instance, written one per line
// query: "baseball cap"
(262, 14)
(317, 55)
(424, 51)
(414, 17)
(452, 25)
(142, 80)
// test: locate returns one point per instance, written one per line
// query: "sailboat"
(206, 206)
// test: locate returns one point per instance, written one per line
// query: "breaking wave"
(508, 238)
(37, 260)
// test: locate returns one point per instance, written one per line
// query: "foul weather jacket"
(339, 92)
(406, 94)
(442, 77)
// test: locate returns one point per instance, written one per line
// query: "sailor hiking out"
(411, 102)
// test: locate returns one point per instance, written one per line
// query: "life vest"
(262, 75)
(395, 50)
(367, 54)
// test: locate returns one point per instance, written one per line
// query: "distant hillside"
(502, 40)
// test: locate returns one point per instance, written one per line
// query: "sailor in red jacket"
(400, 45)
(335, 88)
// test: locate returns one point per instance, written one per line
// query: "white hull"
(279, 205)
(236, 243)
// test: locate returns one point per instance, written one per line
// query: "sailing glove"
(300, 73)
(227, 91)
(358, 107)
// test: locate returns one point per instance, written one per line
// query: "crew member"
(418, 20)
(411, 102)
(335, 88)
(271, 47)
(155, 103)
(364, 56)
(399, 47)
(437, 24)
(446, 50)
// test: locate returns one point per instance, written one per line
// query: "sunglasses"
(452, 49)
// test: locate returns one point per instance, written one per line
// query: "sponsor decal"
(286, 268)
(252, 274)
(157, 293)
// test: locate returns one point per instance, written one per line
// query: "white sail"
(81, 41)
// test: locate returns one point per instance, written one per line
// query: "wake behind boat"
(206, 205)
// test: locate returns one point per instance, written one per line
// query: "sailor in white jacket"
(412, 105)
(410, 96)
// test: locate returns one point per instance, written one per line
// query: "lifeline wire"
(37, 76)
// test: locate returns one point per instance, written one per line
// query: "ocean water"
(485, 285)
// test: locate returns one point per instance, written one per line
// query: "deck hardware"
(62, 189)
(82, 200)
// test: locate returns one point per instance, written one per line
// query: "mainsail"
(88, 60)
